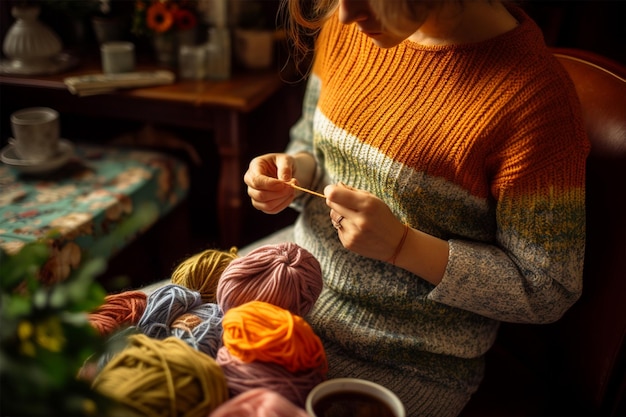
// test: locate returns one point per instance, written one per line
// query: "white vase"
(30, 44)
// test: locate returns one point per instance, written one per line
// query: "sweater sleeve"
(533, 271)
(301, 134)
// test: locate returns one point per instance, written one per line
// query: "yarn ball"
(200, 328)
(163, 378)
(242, 377)
(283, 274)
(115, 344)
(260, 331)
(164, 306)
(202, 271)
(118, 310)
(259, 402)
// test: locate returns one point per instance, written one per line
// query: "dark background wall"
(595, 25)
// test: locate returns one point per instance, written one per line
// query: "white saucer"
(56, 64)
(9, 157)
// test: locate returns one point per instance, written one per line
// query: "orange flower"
(159, 18)
(185, 19)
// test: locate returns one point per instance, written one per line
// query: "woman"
(449, 145)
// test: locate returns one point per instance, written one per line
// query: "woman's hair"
(302, 19)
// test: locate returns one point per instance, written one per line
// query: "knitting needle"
(305, 190)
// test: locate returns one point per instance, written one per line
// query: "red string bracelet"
(393, 257)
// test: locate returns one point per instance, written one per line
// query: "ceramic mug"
(36, 132)
(347, 397)
(117, 57)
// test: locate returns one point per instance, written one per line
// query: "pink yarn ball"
(259, 402)
(283, 274)
(242, 377)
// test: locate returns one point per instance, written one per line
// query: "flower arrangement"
(164, 16)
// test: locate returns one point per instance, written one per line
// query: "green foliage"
(46, 337)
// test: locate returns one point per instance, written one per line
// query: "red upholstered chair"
(577, 366)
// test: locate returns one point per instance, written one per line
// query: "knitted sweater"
(480, 144)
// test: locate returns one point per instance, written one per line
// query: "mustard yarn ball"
(202, 271)
(163, 378)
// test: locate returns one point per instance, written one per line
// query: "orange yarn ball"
(260, 331)
(118, 310)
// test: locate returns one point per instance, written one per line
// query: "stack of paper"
(85, 85)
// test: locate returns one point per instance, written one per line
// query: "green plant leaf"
(15, 269)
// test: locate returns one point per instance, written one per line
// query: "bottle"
(218, 54)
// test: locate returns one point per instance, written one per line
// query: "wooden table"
(219, 106)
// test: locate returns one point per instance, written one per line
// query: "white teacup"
(348, 397)
(36, 132)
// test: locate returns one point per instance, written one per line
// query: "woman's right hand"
(267, 178)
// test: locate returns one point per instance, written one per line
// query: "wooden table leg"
(229, 135)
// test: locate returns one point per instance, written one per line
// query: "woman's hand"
(365, 224)
(268, 175)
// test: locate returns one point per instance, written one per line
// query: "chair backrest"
(589, 342)
(577, 365)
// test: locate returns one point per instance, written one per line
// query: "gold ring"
(337, 223)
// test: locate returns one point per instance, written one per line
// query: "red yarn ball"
(118, 310)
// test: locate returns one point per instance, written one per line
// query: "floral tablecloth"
(92, 207)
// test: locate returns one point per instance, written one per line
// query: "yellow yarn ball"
(163, 378)
(202, 271)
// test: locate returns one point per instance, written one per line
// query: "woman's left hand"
(365, 224)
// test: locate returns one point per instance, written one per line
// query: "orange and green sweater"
(482, 145)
